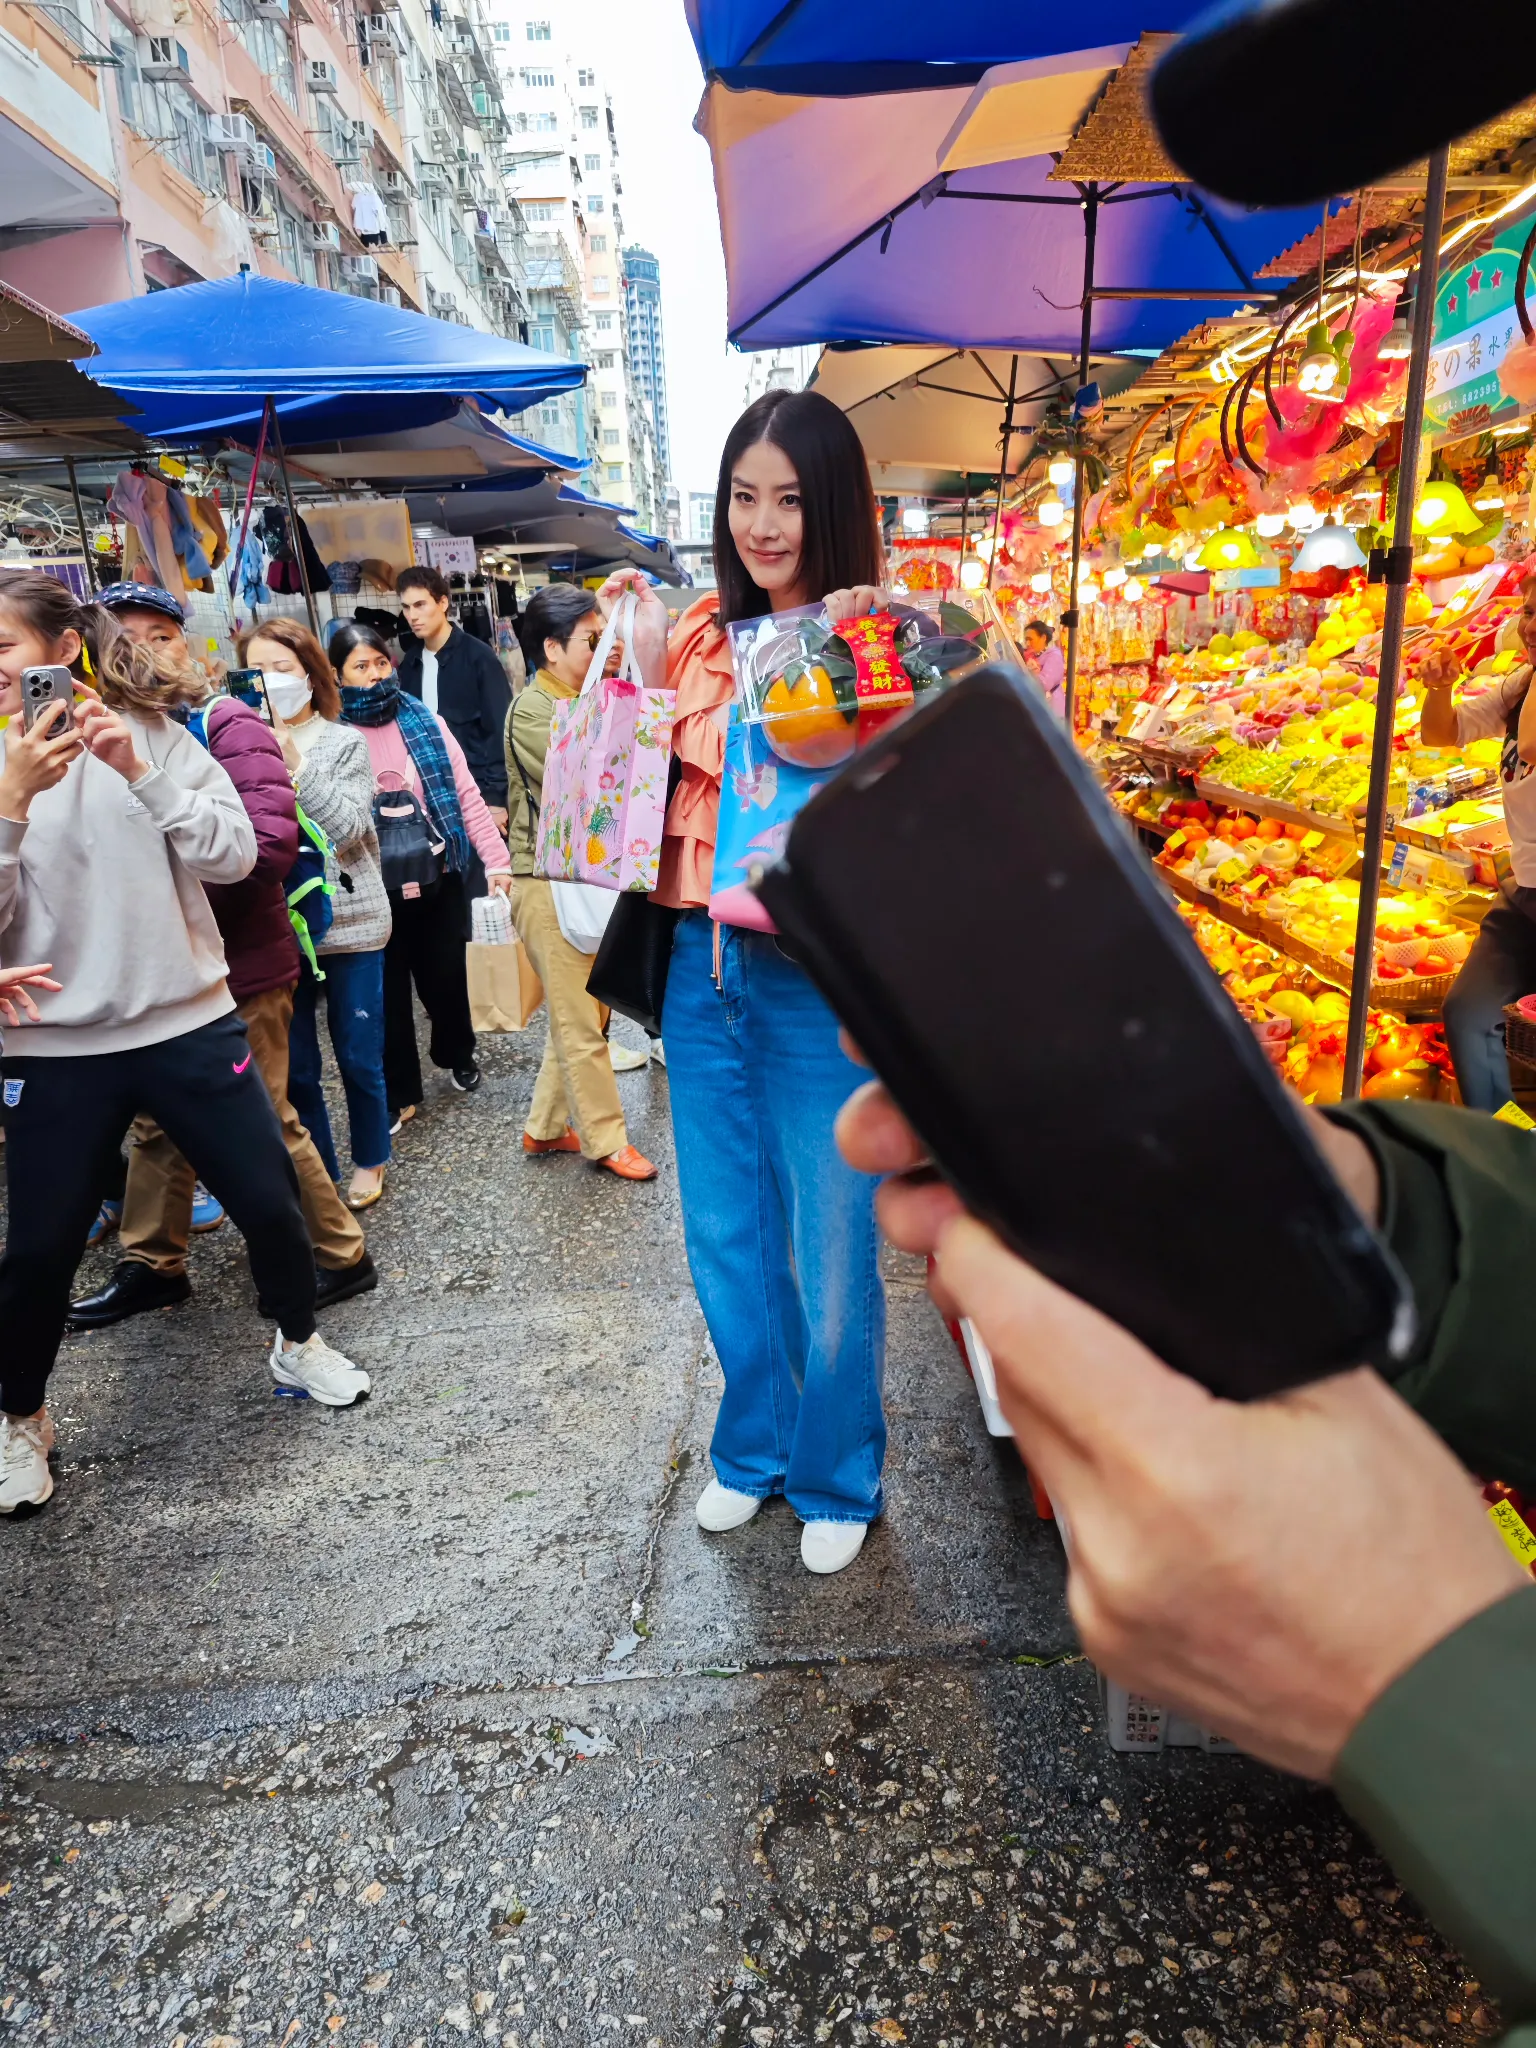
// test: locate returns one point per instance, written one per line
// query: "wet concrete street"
(439, 1720)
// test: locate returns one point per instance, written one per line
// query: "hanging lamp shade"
(1228, 548)
(1329, 547)
(1442, 509)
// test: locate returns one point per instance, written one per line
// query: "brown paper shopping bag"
(504, 990)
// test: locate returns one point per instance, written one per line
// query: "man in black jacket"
(459, 678)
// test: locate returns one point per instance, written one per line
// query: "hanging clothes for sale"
(195, 567)
(475, 618)
(283, 574)
(370, 221)
(208, 522)
(139, 500)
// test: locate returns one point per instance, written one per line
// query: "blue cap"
(141, 597)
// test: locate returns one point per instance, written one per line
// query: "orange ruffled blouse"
(699, 669)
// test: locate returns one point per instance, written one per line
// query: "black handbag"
(411, 850)
(629, 972)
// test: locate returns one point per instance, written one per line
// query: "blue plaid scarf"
(424, 743)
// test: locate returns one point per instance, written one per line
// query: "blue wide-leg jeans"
(781, 1235)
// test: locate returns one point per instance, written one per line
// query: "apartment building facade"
(647, 351)
(147, 143)
(563, 168)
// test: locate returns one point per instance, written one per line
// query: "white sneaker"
(658, 1052)
(625, 1059)
(831, 1546)
(722, 1507)
(313, 1368)
(25, 1481)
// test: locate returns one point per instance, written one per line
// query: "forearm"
(1458, 1208)
(1526, 736)
(212, 836)
(339, 799)
(1441, 1773)
(1437, 724)
(12, 832)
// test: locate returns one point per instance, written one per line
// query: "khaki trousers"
(157, 1203)
(575, 1084)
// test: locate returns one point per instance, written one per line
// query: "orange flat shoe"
(568, 1142)
(629, 1164)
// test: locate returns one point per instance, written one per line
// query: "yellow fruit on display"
(804, 721)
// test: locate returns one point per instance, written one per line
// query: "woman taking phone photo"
(111, 818)
(412, 750)
(333, 781)
(780, 1233)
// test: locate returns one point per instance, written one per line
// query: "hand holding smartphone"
(970, 904)
(44, 692)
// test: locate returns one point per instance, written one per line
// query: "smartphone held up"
(47, 695)
(1048, 1026)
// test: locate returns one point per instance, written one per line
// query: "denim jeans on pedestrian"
(1500, 969)
(781, 1235)
(354, 1007)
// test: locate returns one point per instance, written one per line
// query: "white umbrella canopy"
(930, 416)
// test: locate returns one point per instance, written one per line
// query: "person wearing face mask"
(575, 1105)
(333, 780)
(781, 1235)
(263, 962)
(413, 751)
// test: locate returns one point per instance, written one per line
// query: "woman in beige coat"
(575, 1101)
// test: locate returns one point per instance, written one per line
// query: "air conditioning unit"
(442, 302)
(264, 160)
(323, 234)
(361, 269)
(378, 28)
(389, 295)
(270, 10)
(362, 134)
(462, 46)
(320, 75)
(164, 61)
(395, 183)
(233, 133)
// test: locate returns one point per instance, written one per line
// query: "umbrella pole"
(1070, 615)
(293, 521)
(1002, 474)
(1399, 572)
(965, 513)
(85, 544)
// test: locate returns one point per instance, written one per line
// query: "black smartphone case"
(968, 901)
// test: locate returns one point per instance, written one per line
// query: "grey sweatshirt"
(106, 881)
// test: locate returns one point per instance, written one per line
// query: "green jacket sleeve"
(1442, 1775)
(1459, 1210)
(527, 743)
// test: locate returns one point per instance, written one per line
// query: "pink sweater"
(387, 749)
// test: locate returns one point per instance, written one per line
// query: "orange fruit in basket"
(1402, 1084)
(804, 720)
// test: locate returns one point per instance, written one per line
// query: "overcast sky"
(653, 73)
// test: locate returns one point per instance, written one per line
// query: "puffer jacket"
(335, 786)
(252, 915)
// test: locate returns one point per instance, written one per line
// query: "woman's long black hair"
(841, 544)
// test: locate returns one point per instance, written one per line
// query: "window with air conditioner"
(546, 124)
(589, 117)
(606, 359)
(585, 77)
(538, 31)
(535, 79)
(595, 202)
(502, 31)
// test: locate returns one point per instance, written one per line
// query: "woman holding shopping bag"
(781, 1234)
(333, 781)
(419, 762)
(575, 1104)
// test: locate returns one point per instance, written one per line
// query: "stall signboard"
(1475, 327)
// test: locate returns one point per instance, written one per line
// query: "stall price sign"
(1475, 328)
